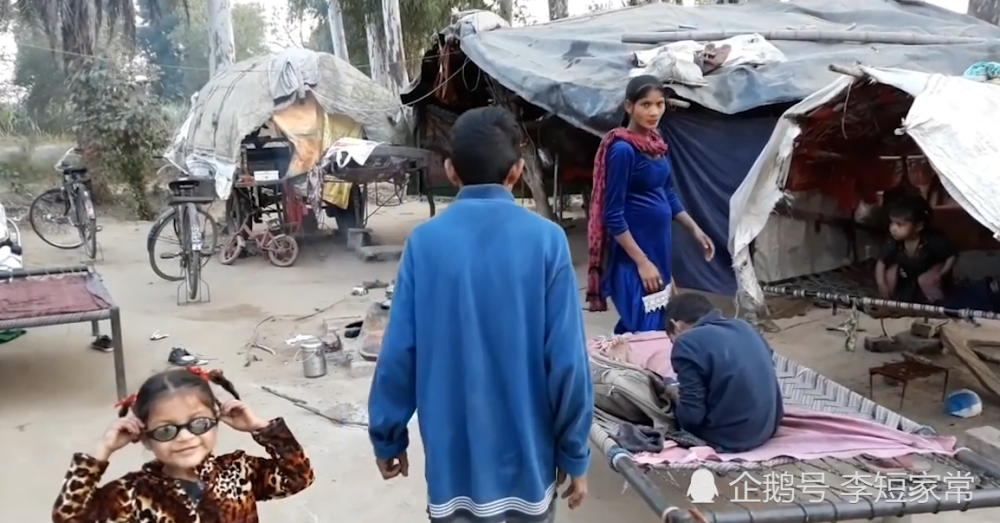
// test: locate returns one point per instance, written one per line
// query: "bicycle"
(282, 250)
(73, 200)
(182, 216)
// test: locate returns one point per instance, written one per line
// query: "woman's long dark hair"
(637, 89)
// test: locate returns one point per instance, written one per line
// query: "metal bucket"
(313, 356)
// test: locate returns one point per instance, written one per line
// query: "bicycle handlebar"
(72, 151)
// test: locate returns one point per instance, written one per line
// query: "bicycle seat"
(184, 183)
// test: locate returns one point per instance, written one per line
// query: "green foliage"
(21, 170)
(38, 72)
(153, 38)
(421, 20)
(250, 30)
(122, 123)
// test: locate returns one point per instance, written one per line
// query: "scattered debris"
(343, 414)
(959, 345)
(157, 335)
(264, 348)
(182, 358)
(362, 290)
(926, 329)
(299, 339)
(254, 342)
(102, 343)
(283, 396)
(903, 342)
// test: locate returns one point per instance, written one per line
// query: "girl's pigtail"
(125, 405)
(218, 378)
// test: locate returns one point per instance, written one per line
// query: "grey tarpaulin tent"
(244, 96)
(577, 68)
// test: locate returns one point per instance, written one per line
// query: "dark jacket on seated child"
(729, 394)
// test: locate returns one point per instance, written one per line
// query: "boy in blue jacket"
(729, 393)
(485, 339)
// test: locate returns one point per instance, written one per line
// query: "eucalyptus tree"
(421, 20)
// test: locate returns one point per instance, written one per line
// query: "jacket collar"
(491, 191)
(714, 315)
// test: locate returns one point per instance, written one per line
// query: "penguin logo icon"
(702, 488)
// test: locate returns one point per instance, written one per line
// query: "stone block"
(903, 342)
(358, 239)
(984, 441)
(923, 329)
(362, 369)
(377, 253)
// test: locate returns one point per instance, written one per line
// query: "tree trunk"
(375, 35)
(222, 47)
(395, 54)
(558, 9)
(532, 176)
(338, 35)
(507, 11)
(985, 10)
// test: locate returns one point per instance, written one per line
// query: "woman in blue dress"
(631, 210)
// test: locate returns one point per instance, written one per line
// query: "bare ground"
(56, 396)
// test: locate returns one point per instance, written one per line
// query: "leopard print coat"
(232, 486)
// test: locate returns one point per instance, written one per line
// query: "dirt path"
(56, 396)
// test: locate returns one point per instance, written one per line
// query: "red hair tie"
(127, 401)
(130, 400)
(205, 375)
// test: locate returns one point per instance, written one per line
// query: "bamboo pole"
(847, 71)
(811, 35)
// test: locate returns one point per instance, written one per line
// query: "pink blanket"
(806, 434)
(649, 350)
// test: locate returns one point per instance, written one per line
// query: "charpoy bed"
(850, 487)
(58, 296)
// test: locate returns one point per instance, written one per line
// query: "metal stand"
(204, 292)
(849, 327)
(98, 255)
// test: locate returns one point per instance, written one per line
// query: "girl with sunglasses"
(176, 415)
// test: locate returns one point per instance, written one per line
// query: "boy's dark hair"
(913, 209)
(485, 144)
(688, 308)
(159, 385)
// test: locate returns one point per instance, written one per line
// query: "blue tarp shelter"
(577, 68)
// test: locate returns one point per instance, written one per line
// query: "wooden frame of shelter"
(856, 134)
(849, 149)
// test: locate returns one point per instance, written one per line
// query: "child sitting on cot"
(916, 261)
(175, 415)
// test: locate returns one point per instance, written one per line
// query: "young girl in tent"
(175, 415)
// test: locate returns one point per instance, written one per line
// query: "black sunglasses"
(197, 426)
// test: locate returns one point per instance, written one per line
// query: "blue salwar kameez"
(638, 198)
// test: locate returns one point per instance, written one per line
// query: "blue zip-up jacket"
(485, 339)
(729, 391)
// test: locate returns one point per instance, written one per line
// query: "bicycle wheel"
(164, 242)
(49, 211)
(86, 221)
(231, 251)
(191, 249)
(282, 251)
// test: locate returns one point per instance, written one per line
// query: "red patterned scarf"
(648, 143)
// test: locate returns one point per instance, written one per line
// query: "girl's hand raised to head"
(120, 433)
(237, 415)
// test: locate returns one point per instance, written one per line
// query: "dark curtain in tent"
(710, 155)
